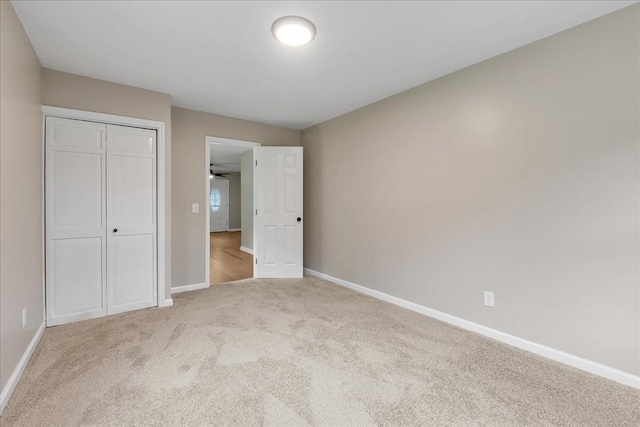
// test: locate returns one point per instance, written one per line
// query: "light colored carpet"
(298, 352)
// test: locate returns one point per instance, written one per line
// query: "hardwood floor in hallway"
(228, 262)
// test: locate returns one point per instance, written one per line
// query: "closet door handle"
(115, 230)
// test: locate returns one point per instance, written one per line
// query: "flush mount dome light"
(293, 30)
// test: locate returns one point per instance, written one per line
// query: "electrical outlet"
(488, 299)
(195, 208)
(24, 317)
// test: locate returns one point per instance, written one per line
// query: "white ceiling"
(220, 57)
(225, 158)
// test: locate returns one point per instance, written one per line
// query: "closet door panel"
(77, 189)
(132, 186)
(131, 270)
(75, 135)
(75, 220)
(131, 140)
(77, 285)
(131, 219)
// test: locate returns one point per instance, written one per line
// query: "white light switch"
(195, 208)
(489, 299)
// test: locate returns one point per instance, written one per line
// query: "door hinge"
(256, 163)
(256, 261)
(256, 211)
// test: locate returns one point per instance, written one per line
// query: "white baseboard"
(247, 250)
(235, 229)
(187, 288)
(22, 364)
(167, 303)
(533, 347)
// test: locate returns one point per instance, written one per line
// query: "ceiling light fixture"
(293, 30)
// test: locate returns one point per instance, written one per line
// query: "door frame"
(208, 140)
(163, 298)
(209, 204)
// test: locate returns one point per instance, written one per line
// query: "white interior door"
(278, 203)
(75, 220)
(131, 218)
(219, 205)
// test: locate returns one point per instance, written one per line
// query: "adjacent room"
(230, 189)
(308, 213)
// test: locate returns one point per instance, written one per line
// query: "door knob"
(299, 219)
(115, 230)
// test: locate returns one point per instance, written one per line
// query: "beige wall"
(188, 158)
(246, 169)
(83, 93)
(21, 273)
(235, 200)
(518, 175)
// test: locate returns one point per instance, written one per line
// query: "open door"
(277, 187)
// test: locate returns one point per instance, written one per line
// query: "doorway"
(229, 222)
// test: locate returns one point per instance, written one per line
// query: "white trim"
(161, 160)
(187, 288)
(18, 371)
(207, 215)
(254, 212)
(533, 347)
(234, 229)
(229, 141)
(43, 228)
(160, 214)
(68, 113)
(168, 302)
(208, 140)
(247, 250)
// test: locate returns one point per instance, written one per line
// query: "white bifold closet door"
(100, 214)
(131, 218)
